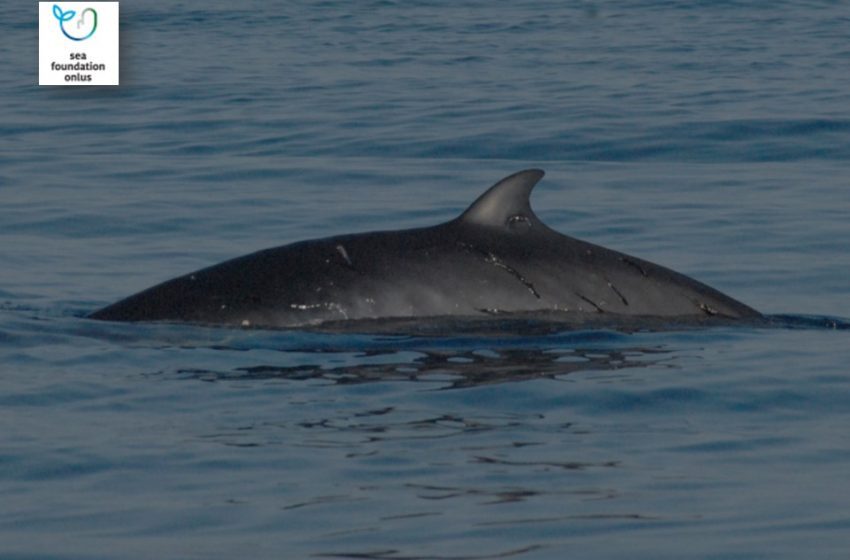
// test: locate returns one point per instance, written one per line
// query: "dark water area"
(710, 137)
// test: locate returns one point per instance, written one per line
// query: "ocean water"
(711, 137)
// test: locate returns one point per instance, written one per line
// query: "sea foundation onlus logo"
(81, 22)
(78, 43)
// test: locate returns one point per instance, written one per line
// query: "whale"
(496, 259)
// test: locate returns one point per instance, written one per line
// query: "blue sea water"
(711, 137)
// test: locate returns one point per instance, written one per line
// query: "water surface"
(708, 137)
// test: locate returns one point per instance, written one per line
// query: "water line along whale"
(497, 258)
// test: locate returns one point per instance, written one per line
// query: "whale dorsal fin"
(505, 201)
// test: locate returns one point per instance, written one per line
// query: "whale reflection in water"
(449, 369)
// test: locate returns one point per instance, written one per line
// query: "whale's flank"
(497, 257)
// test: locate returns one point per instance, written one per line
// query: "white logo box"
(78, 43)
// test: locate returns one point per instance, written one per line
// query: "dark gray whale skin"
(496, 258)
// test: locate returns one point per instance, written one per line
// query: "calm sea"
(712, 137)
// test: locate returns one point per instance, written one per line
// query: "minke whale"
(496, 259)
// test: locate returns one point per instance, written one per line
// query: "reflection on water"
(374, 459)
(396, 555)
(393, 447)
(448, 368)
